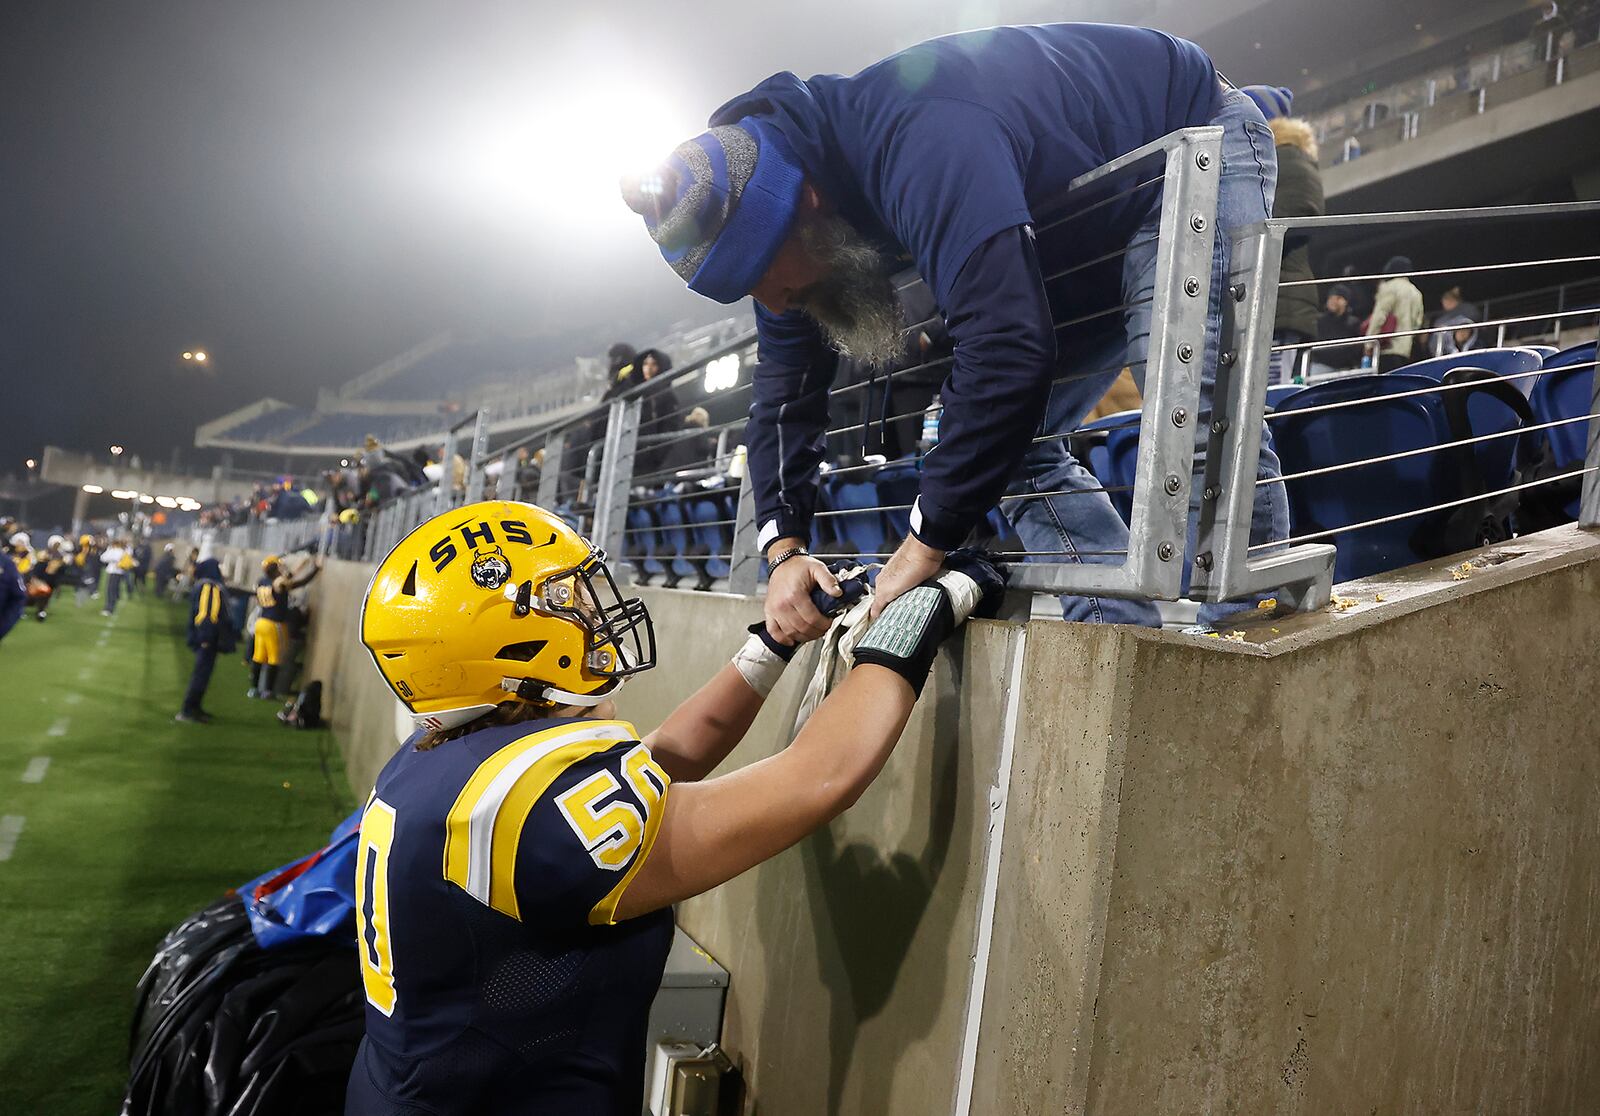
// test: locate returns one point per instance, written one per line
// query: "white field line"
(37, 766)
(59, 728)
(10, 829)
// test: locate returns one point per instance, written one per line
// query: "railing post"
(444, 496)
(550, 471)
(616, 476)
(480, 449)
(1173, 365)
(744, 568)
(1303, 575)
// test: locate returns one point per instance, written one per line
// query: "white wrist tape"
(964, 593)
(759, 665)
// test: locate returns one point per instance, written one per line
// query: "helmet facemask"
(619, 638)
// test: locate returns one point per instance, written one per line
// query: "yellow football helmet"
(495, 602)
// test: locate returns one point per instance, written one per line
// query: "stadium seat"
(1545, 351)
(1277, 393)
(642, 541)
(675, 540)
(1565, 391)
(898, 483)
(1395, 487)
(1502, 362)
(867, 532)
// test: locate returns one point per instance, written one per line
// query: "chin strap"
(531, 689)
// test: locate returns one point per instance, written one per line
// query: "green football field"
(116, 823)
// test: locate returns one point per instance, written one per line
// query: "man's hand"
(791, 617)
(909, 567)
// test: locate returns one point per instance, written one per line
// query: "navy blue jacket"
(13, 595)
(210, 620)
(943, 153)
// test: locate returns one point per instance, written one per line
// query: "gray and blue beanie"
(1273, 100)
(720, 206)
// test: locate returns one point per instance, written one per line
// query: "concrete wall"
(1343, 865)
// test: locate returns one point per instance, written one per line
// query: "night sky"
(304, 188)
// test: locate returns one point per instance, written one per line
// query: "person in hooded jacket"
(210, 634)
(13, 597)
(953, 156)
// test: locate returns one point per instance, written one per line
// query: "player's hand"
(912, 564)
(791, 616)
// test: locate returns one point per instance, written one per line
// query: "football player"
(271, 633)
(45, 574)
(521, 852)
(86, 566)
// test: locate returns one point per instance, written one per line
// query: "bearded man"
(809, 195)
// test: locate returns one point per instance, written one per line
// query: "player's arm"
(710, 832)
(699, 734)
(316, 567)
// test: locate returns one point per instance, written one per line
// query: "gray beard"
(856, 304)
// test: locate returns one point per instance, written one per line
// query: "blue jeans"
(1081, 525)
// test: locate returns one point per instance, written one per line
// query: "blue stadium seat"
(710, 514)
(1545, 351)
(1502, 362)
(1277, 393)
(642, 542)
(676, 540)
(898, 483)
(1565, 391)
(866, 532)
(1382, 426)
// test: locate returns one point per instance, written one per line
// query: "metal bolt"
(1202, 160)
(1164, 552)
(1219, 426)
(1197, 223)
(1179, 416)
(1227, 359)
(1211, 492)
(1237, 291)
(1186, 352)
(1172, 484)
(1191, 286)
(1202, 561)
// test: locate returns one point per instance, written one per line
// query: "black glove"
(907, 634)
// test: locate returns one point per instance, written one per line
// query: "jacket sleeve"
(1382, 307)
(785, 437)
(998, 386)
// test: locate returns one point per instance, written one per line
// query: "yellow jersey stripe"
(605, 911)
(469, 844)
(216, 603)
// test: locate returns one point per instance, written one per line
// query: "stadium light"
(722, 373)
(188, 356)
(31, 463)
(200, 356)
(116, 451)
(166, 501)
(143, 499)
(123, 494)
(93, 489)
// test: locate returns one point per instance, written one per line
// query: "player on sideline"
(45, 575)
(271, 632)
(211, 632)
(521, 853)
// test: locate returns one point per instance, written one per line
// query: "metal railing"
(1551, 55)
(657, 476)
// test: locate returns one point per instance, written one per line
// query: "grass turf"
(137, 822)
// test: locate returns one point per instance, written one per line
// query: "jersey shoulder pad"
(553, 826)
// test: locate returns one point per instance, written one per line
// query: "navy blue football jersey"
(497, 978)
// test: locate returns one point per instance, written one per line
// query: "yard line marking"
(37, 766)
(10, 829)
(59, 728)
(85, 674)
(73, 699)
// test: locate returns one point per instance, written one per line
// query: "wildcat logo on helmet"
(490, 569)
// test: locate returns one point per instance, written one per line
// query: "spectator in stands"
(1397, 309)
(210, 634)
(1299, 195)
(671, 443)
(288, 503)
(619, 366)
(13, 596)
(796, 198)
(1335, 323)
(529, 467)
(1464, 316)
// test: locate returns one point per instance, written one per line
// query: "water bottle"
(930, 424)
